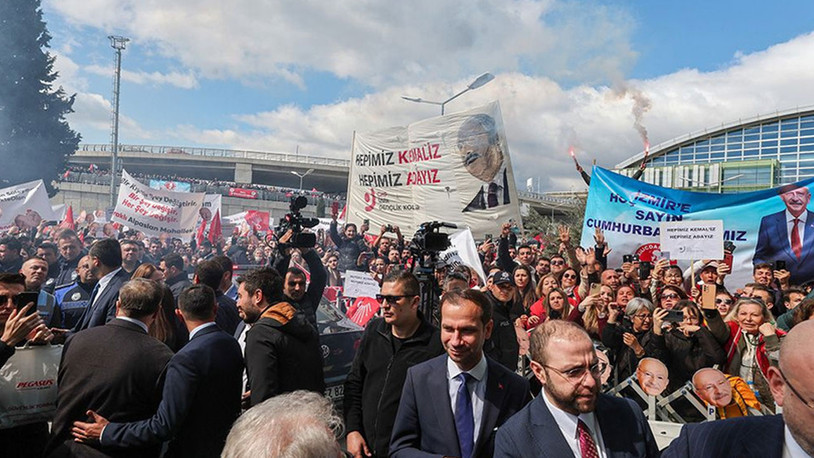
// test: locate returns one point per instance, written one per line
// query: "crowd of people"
(168, 353)
(95, 175)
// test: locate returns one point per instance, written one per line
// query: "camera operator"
(294, 288)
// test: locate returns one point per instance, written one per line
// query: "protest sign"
(630, 212)
(247, 222)
(168, 185)
(209, 210)
(462, 251)
(360, 284)
(243, 193)
(454, 168)
(693, 240)
(25, 206)
(154, 211)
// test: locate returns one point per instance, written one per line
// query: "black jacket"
(319, 277)
(502, 346)
(685, 355)
(373, 387)
(349, 249)
(283, 354)
(177, 284)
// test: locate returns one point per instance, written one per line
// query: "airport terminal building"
(758, 153)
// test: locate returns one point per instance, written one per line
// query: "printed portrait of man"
(652, 376)
(480, 151)
(712, 386)
(788, 235)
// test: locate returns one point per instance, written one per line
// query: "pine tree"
(35, 138)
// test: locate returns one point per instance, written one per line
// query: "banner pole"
(350, 177)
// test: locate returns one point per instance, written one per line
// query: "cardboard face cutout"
(712, 386)
(652, 376)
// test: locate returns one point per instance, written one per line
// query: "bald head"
(554, 330)
(796, 345)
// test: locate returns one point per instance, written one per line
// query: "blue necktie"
(464, 418)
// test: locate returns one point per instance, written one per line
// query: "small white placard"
(693, 239)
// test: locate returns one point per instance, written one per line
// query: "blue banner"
(760, 225)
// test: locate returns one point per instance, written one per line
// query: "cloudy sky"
(275, 75)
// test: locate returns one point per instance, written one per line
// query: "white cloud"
(377, 43)
(177, 79)
(542, 118)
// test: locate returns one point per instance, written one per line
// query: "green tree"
(35, 138)
(547, 226)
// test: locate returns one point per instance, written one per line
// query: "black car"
(339, 338)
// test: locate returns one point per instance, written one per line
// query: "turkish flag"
(68, 222)
(215, 230)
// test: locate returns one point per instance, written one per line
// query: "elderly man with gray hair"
(631, 337)
(299, 424)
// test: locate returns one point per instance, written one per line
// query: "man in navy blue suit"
(106, 264)
(788, 435)
(452, 405)
(570, 417)
(201, 396)
(788, 235)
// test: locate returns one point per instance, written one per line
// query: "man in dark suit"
(106, 264)
(201, 395)
(174, 275)
(775, 436)
(116, 370)
(451, 405)
(210, 273)
(570, 417)
(788, 235)
(482, 155)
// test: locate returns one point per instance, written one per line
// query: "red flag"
(342, 213)
(199, 237)
(68, 222)
(215, 230)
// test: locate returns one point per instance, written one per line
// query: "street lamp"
(118, 43)
(302, 175)
(479, 81)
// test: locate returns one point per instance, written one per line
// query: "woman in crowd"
(592, 312)
(723, 301)
(164, 327)
(334, 277)
(688, 345)
(630, 338)
(623, 295)
(569, 280)
(669, 296)
(525, 288)
(545, 285)
(748, 337)
(555, 306)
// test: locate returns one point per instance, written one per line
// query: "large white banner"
(25, 206)
(462, 250)
(154, 211)
(453, 168)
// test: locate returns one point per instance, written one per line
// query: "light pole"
(303, 175)
(479, 81)
(117, 43)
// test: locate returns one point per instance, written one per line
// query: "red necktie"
(796, 246)
(587, 446)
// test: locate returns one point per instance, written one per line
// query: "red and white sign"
(243, 193)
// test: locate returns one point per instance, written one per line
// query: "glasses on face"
(577, 374)
(723, 301)
(391, 298)
(669, 296)
(643, 316)
(571, 276)
(557, 263)
(711, 386)
(808, 404)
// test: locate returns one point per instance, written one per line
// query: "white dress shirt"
(801, 225)
(791, 449)
(135, 321)
(477, 390)
(103, 282)
(568, 427)
(198, 328)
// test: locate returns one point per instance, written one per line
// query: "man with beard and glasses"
(570, 417)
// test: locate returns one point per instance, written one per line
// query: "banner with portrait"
(154, 211)
(454, 168)
(25, 206)
(206, 215)
(757, 226)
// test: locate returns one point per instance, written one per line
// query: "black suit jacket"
(773, 245)
(200, 401)
(534, 432)
(103, 307)
(743, 437)
(425, 424)
(116, 370)
(479, 201)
